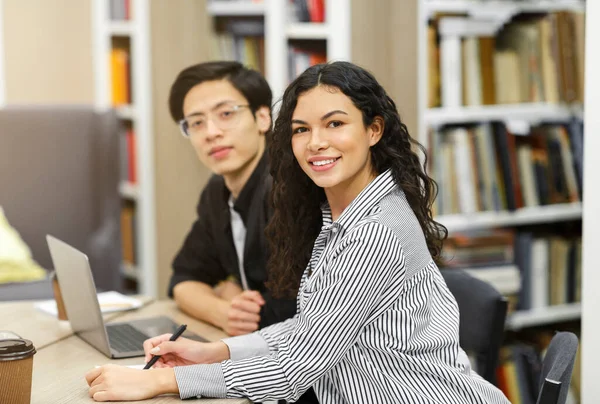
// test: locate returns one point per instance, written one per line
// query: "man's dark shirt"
(208, 253)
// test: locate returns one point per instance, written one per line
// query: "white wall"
(2, 77)
(591, 212)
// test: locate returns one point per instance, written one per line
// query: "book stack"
(531, 59)
(239, 39)
(487, 168)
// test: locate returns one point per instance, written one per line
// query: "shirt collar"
(371, 195)
(244, 199)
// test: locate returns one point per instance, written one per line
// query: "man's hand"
(243, 314)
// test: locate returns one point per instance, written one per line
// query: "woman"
(375, 322)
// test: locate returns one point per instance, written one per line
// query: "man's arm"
(200, 301)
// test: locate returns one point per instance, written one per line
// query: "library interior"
(117, 121)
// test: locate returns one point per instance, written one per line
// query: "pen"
(176, 335)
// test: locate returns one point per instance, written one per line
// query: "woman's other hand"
(119, 383)
(183, 351)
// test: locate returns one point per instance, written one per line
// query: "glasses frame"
(182, 122)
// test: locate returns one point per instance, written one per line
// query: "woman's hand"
(118, 383)
(183, 351)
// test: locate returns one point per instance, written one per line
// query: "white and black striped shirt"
(375, 322)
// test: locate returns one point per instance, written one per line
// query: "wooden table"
(62, 359)
(41, 328)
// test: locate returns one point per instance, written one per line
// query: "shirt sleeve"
(246, 346)
(273, 333)
(349, 290)
(198, 258)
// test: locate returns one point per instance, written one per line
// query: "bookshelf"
(483, 19)
(334, 34)
(502, 140)
(135, 115)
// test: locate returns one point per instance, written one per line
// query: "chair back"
(557, 368)
(482, 317)
(59, 175)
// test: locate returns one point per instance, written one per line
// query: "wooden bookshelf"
(485, 19)
(350, 29)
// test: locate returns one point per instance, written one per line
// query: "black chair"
(482, 317)
(557, 368)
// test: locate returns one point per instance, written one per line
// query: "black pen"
(176, 335)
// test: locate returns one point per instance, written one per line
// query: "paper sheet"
(109, 302)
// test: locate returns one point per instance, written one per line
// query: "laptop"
(115, 340)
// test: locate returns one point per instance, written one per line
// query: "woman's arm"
(368, 270)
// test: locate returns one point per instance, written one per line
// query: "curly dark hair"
(297, 217)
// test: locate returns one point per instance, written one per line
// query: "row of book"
(248, 50)
(539, 269)
(531, 59)
(307, 11)
(301, 58)
(127, 158)
(240, 39)
(120, 73)
(487, 168)
(128, 234)
(120, 10)
(487, 255)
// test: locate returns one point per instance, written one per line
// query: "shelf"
(225, 8)
(532, 113)
(120, 28)
(546, 315)
(307, 30)
(129, 271)
(495, 8)
(523, 216)
(126, 112)
(128, 190)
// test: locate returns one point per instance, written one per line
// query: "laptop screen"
(79, 293)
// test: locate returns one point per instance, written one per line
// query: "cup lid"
(14, 349)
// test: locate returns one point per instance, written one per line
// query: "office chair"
(482, 317)
(59, 174)
(557, 368)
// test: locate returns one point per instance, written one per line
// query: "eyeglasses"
(225, 117)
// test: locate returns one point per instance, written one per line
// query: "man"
(224, 109)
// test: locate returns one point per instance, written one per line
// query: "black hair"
(297, 218)
(250, 83)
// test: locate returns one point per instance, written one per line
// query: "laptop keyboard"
(125, 338)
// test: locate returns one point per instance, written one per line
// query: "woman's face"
(330, 141)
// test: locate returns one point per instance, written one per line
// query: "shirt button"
(334, 229)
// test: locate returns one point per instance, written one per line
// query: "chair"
(557, 368)
(482, 317)
(59, 175)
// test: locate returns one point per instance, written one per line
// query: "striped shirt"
(376, 322)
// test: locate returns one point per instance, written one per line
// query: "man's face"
(226, 135)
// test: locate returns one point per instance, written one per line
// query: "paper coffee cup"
(16, 366)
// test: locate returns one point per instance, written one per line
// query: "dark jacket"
(208, 253)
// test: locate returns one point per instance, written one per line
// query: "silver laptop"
(115, 340)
